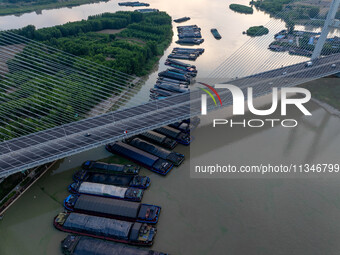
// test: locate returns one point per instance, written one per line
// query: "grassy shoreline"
(10, 9)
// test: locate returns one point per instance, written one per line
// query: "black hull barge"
(192, 57)
(181, 19)
(163, 79)
(175, 134)
(175, 76)
(81, 245)
(181, 67)
(160, 139)
(182, 72)
(111, 168)
(215, 33)
(171, 88)
(112, 230)
(113, 208)
(182, 126)
(148, 160)
(133, 4)
(136, 181)
(103, 190)
(173, 157)
(190, 41)
(200, 51)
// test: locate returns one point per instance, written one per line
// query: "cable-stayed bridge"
(67, 135)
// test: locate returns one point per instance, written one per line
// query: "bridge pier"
(330, 22)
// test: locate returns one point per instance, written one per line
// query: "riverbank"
(21, 7)
(295, 12)
(327, 95)
(21, 187)
(134, 50)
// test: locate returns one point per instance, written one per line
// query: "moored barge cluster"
(106, 199)
(105, 203)
(189, 35)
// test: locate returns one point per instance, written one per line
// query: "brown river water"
(252, 216)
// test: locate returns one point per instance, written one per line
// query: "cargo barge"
(182, 72)
(133, 4)
(82, 245)
(136, 181)
(113, 208)
(171, 88)
(162, 79)
(189, 34)
(193, 41)
(215, 33)
(188, 27)
(172, 83)
(186, 125)
(109, 229)
(182, 126)
(181, 19)
(148, 160)
(173, 157)
(111, 168)
(149, 10)
(190, 50)
(161, 93)
(174, 134)
(160, 139)
(174, 75)
(192, 57)
(181, 67)
(103, 190)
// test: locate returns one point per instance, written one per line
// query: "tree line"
(134, 50)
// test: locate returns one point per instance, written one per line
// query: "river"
(202, 216)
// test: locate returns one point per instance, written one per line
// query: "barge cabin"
(103, 190)
(182, 126)
(111, 168)
(109, 229)
(113, 208)
(136, 181)
(148, 160)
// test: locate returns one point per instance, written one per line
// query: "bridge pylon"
(330, 22)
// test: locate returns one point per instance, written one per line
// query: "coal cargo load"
(113, 208)
(81, 245)
(105, 228)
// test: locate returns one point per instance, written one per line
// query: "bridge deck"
(56, 143)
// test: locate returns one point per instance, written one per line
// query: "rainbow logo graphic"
(209, 93)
